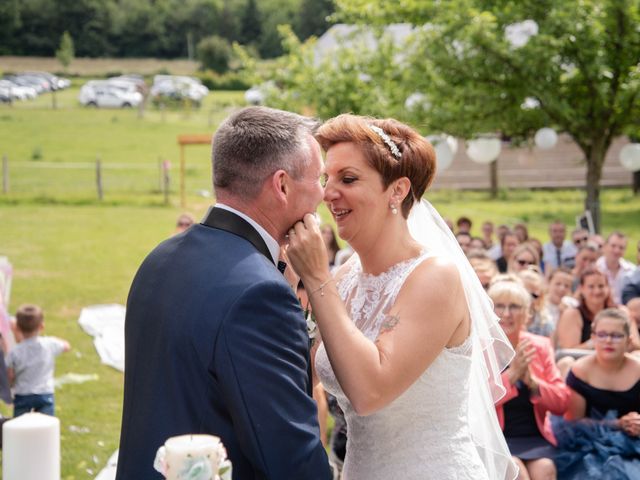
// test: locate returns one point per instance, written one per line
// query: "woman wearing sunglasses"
(605, 389)
(533, 383)
(525, 256)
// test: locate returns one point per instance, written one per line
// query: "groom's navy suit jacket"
(215, 342)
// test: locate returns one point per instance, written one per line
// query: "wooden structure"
(183, 141)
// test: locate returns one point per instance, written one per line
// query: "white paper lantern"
(254, 96)
(484, 150)
(630, 156)
(417, 101)
(444, 155)
(546, 138)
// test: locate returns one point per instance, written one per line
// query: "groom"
(215, 338)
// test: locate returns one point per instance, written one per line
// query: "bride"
(410, 345)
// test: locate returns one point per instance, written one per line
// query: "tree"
(65, 52)
(513, 66)
(313, 17)
(251, 24)
(214, 52)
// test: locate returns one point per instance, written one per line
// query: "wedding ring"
(292, 232)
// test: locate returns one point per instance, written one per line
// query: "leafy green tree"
(313, 18)
(576, 69)
(214, 53)
(66, 51)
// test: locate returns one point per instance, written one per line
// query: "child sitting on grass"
(31, 362)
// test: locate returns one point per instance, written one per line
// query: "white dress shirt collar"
(272, 244)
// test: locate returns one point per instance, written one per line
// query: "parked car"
(177, 87)
(18, 92)
(106, 94)
(55, 82)
(38, 83)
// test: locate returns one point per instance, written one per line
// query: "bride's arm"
(428, 310)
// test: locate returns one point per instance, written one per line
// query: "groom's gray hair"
(255, 142)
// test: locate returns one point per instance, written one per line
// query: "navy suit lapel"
(230, 222)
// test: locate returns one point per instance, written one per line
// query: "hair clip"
(387, 139)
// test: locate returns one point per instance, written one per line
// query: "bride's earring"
(394, 209)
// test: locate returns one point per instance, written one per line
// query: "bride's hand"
(307, 250)
(290, 274)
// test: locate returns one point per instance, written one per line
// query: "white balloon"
(484, 150)
(546, 138)
(630, 156)
(444, 154)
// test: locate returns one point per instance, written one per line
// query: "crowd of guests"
(571, 309)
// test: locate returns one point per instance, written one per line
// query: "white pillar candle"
(31, 448)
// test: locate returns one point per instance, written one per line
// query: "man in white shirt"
(558, 252)
(613, 265)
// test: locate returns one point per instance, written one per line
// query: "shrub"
(214, 52)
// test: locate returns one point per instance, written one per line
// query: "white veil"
(492, 351)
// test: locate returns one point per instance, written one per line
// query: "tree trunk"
(493, 175)
(595, 160)
(636, 183)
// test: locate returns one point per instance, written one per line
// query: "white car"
(18, 92)
(178, 87)
(105, 94)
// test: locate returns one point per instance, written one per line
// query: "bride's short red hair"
(418, 160)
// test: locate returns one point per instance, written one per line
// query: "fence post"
(166, 165)
(99, 178)
(5, 174)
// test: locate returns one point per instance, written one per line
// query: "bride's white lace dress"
(423, 433)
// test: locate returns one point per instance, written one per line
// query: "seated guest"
(539, 322)
(605, 388)
(533, 383)
(508, 244)
(477, 243)
(613, 265)
(464, 240)
(485, 269)
(585, 258)
(558, 252)
(521, 230)
(574, 325)
(183, 222)
(558, 287)
(524, 256)
(464, 225)
(487, 234)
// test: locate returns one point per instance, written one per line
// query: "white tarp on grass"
(105, 323)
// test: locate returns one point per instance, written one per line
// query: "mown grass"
(70, 251)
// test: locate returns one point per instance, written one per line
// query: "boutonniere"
(312, 325)
(310, 319)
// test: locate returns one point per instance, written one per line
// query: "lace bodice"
(424, 432)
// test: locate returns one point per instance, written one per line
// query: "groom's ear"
(280, 184)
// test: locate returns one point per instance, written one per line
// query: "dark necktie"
(559, 257)
(282, 266)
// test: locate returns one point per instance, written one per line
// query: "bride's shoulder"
(435, 274)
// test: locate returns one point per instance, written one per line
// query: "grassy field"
(70, 251)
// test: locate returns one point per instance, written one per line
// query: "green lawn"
(70, 251)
